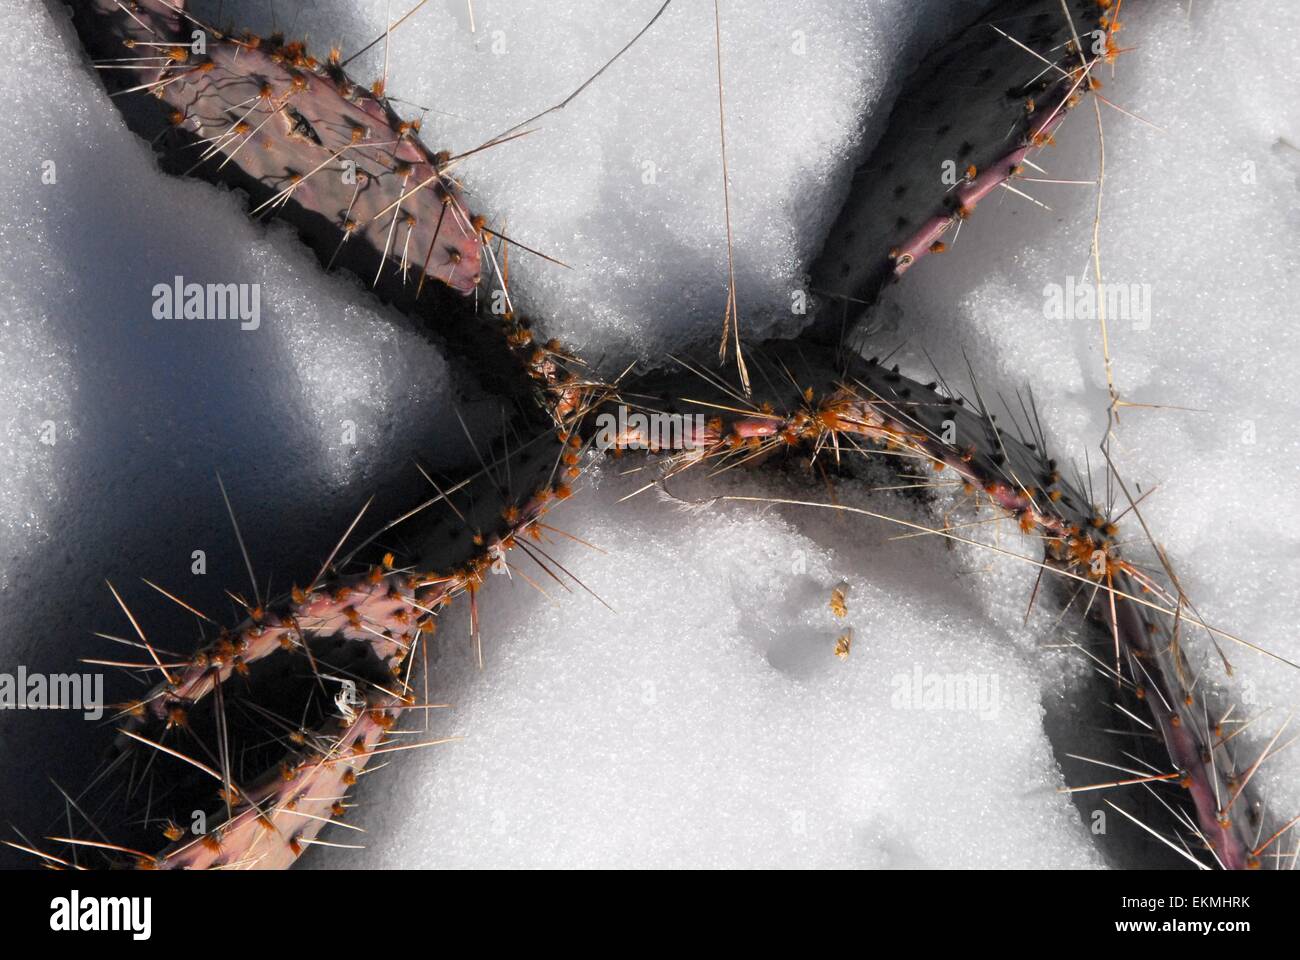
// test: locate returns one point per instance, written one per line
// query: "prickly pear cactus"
(266, 115)
(331, 668)
(973, 112)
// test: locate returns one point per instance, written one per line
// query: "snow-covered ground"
(705, 720)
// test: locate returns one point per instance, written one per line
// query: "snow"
(705, 720)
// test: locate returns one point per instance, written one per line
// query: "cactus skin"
(287, 122)
(856, 398)
(977, 102)
(283, 813)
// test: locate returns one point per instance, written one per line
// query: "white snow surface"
(704, 720)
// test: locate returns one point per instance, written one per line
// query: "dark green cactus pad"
(962, 125)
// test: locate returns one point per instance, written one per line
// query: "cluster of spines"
(303, 138)
(272, 822)
(1043, 114)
